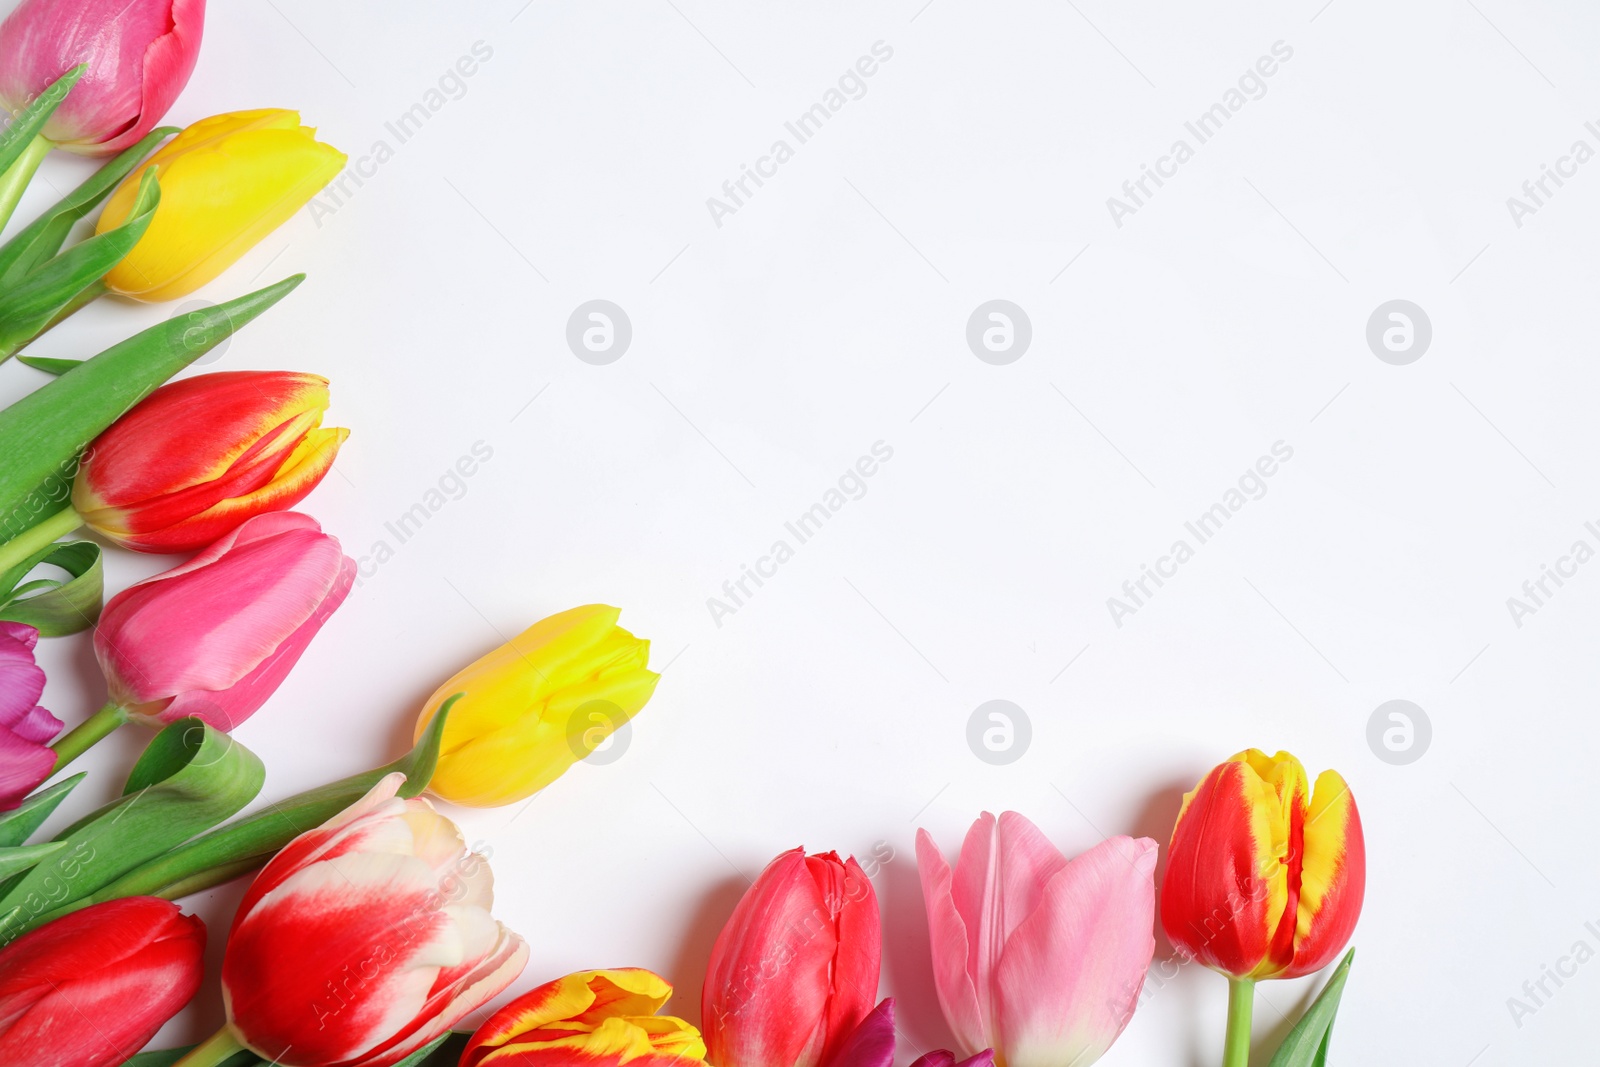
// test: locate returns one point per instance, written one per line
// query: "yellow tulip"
(536, 705)
(226, 182)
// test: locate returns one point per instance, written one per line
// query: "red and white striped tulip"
(795, 970)
(364, 940)
(90, 988)
(1036, 956)
(199, 456)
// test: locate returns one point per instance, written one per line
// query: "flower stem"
(16, 178)
(83, 736)
(38, 536)
(214, 1050)
(1241, 1003)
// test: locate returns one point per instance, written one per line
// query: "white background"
(829, 313)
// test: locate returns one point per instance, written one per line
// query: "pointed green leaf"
(30, 306)
(190, 778)
(1307, 1044)
(43, 434)
(229, 851)
(43, 238)
(48, 365)
(169, 1056)
(30, 121)
(51, 606)
(14, 861)
(18, 824)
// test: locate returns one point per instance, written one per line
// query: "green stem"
(16, 178)
(83, 736)
(38, 536)
(1241, 1002)
(88, 295)
(214, 1050)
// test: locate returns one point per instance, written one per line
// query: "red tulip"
(214, 637)
(90, 988)
(197, 457)
(364, 940)
(140, 55)
(25, 728)
(795, 970)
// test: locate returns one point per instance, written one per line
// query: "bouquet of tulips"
(367, 934)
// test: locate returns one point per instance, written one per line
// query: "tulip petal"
(1071, 973)
(1333, 876)
(871, 1043)
(947, 935)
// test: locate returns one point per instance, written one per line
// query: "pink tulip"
(364, 939)
(140, 55)
(25, 728)
(795, 970)
(214, 637)
(1037, 957)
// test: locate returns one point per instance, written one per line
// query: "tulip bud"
(795, 971)
(536, 705)
(197, 457)
(214, 637)
(365, 939)
(226, 182)
(25, 728)
(91, 987)
(596, 1018)
(1036, 956)
(1264, 876)
(140, 54)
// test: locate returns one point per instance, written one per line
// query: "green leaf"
(43, 238)
(229, 851)
(51, 606)
(30, 121)
(18, 824)
(29, 307)
(1307, 1044)
(169, 1056)
(43, 435)
(48, 365)
(190, 778)
(14, 861)
(445, 1051)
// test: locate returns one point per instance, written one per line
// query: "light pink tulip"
(365, 939)
(214, 637)
(140, 55)
(1037, 957)
(25, 728)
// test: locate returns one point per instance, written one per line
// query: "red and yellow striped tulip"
(198, 457)
(589, 1019)
(1265, 874)
(226, 182)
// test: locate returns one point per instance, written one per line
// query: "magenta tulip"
(1035, 956)
(25, 728)
(140, 54)
(871, 1044)
(214, 637)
